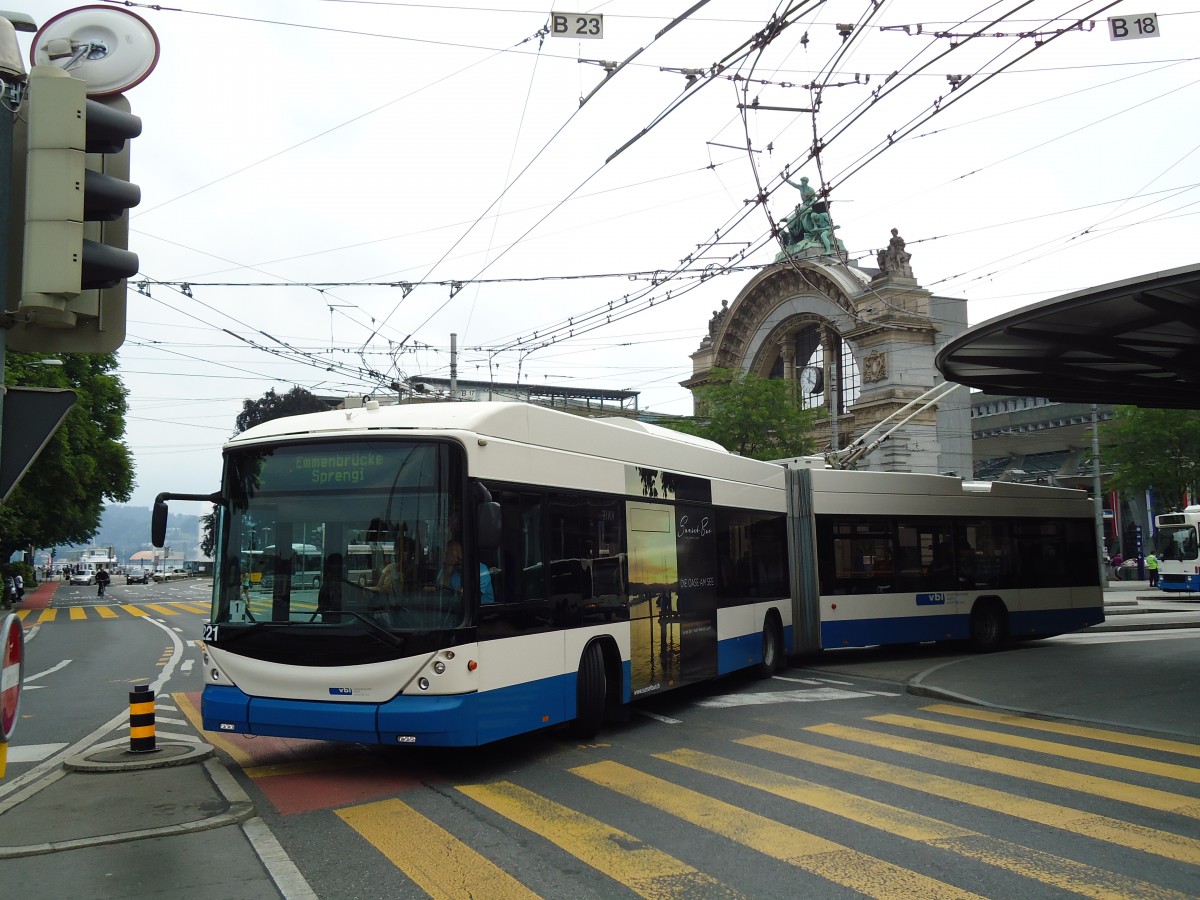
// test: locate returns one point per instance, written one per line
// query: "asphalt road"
(830, 780)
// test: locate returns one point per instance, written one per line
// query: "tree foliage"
(61, 498)
(275, 406)
(1153, 449)
(750, 415)
(254, 412)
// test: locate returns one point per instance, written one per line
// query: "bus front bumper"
(441, 721)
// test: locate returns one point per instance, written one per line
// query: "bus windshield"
(344, 534)
(1176, 542)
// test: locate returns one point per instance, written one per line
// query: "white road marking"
(49, 671)
(796, 680)
(765, 697)
(20, 753)
(1121, 637)
(666, 720)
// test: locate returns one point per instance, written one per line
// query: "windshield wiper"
(386, 636)
(242, 629)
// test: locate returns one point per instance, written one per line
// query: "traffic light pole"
(7, 212)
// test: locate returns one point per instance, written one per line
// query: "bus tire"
(989, 626)
(591, 693)
(772, 647)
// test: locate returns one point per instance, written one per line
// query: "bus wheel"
(987, 626)
(591, 693)
(772, 648)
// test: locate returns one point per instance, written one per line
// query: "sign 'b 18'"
(1127, 28)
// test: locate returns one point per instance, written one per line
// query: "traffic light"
(77, 197)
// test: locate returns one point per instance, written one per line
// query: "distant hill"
(127, 530)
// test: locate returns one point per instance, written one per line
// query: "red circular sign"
(12, 642)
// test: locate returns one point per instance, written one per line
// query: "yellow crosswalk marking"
(831, 861)
(643, 869)
(1083, 731)
(1151, 798)
(198, 608)
(81, 613)
(439, 863)
(1064, 818)
(1047, 868)
(1067, 751)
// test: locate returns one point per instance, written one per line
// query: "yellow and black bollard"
(141, 720)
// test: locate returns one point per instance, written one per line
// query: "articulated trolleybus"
(1178, 550)
(490, 569)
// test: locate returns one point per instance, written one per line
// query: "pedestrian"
(1151, 569)
(1116, 562)
(19, 587)
(102, 580)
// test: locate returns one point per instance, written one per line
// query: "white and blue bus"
(545, 568)
(1178, 550)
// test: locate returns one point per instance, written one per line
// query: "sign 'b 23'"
(576, 25)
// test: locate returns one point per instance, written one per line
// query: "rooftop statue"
(894, 260)
(809, 226)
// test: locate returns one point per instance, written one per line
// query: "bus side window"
(516, 565)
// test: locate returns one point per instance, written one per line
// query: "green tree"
(1153, 449)
(61, 498)
(750, 415)
(275, 406)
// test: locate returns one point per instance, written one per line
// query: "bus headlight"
(423, 683)
(439, 667)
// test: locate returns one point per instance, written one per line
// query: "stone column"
(787, 350)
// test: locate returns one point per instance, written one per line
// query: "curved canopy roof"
(1133, 342)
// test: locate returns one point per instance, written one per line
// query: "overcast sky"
(343, 185)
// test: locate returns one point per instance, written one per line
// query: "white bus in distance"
(1178, 550)
(549, 568)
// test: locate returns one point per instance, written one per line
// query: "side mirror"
(158, 519)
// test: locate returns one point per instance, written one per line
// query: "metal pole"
(7, 213)
(1099, 498)
(12, 90)
(453, 366)
(833, 407)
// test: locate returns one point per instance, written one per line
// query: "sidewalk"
(38, 598)
(108, 824)
(1135, 606)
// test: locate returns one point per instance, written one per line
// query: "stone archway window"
(810, 355)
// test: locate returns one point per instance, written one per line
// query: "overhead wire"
(656, 286)
(583, 102)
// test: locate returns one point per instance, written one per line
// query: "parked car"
(173, 575)
(83, 578)
(137, 576)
